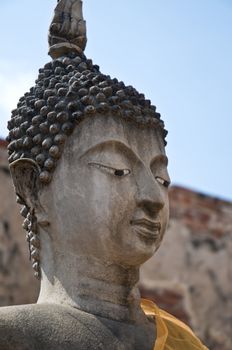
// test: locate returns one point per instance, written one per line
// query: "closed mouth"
(147, 229)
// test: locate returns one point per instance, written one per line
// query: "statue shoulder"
(13, 324)
(50, 326)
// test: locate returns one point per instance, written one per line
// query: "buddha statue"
(87, 158)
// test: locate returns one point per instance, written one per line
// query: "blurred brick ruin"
(17, 285)
(190, 276)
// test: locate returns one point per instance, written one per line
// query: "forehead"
(145, 142)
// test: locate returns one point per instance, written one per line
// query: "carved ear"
(25, 175)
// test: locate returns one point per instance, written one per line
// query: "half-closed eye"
(111, 170)
(162, 181)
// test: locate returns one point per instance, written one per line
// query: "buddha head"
(87, 157)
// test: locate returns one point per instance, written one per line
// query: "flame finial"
(67, 32)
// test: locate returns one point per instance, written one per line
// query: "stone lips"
(67, 90)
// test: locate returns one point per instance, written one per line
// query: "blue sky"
(177, 52)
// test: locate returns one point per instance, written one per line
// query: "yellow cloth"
(172, 334)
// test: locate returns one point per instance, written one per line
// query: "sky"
(177, 52)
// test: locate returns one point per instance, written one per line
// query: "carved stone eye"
(112, 171)
(122, 172)
(162, 181)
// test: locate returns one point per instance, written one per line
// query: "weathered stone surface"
(64, 35)
(57, 327)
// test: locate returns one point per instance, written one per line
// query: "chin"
(136, 255)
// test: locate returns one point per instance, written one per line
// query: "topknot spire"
(67, 32)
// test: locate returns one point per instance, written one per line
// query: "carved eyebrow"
(119, 144)
(125, 148)
(161, 158)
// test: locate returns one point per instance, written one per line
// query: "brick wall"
(3, 153)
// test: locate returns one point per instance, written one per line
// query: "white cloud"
(12, 86)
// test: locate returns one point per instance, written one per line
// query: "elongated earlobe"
(25, 175)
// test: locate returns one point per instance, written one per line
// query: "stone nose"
(150, 196)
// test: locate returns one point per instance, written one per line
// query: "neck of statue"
(90, 285)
